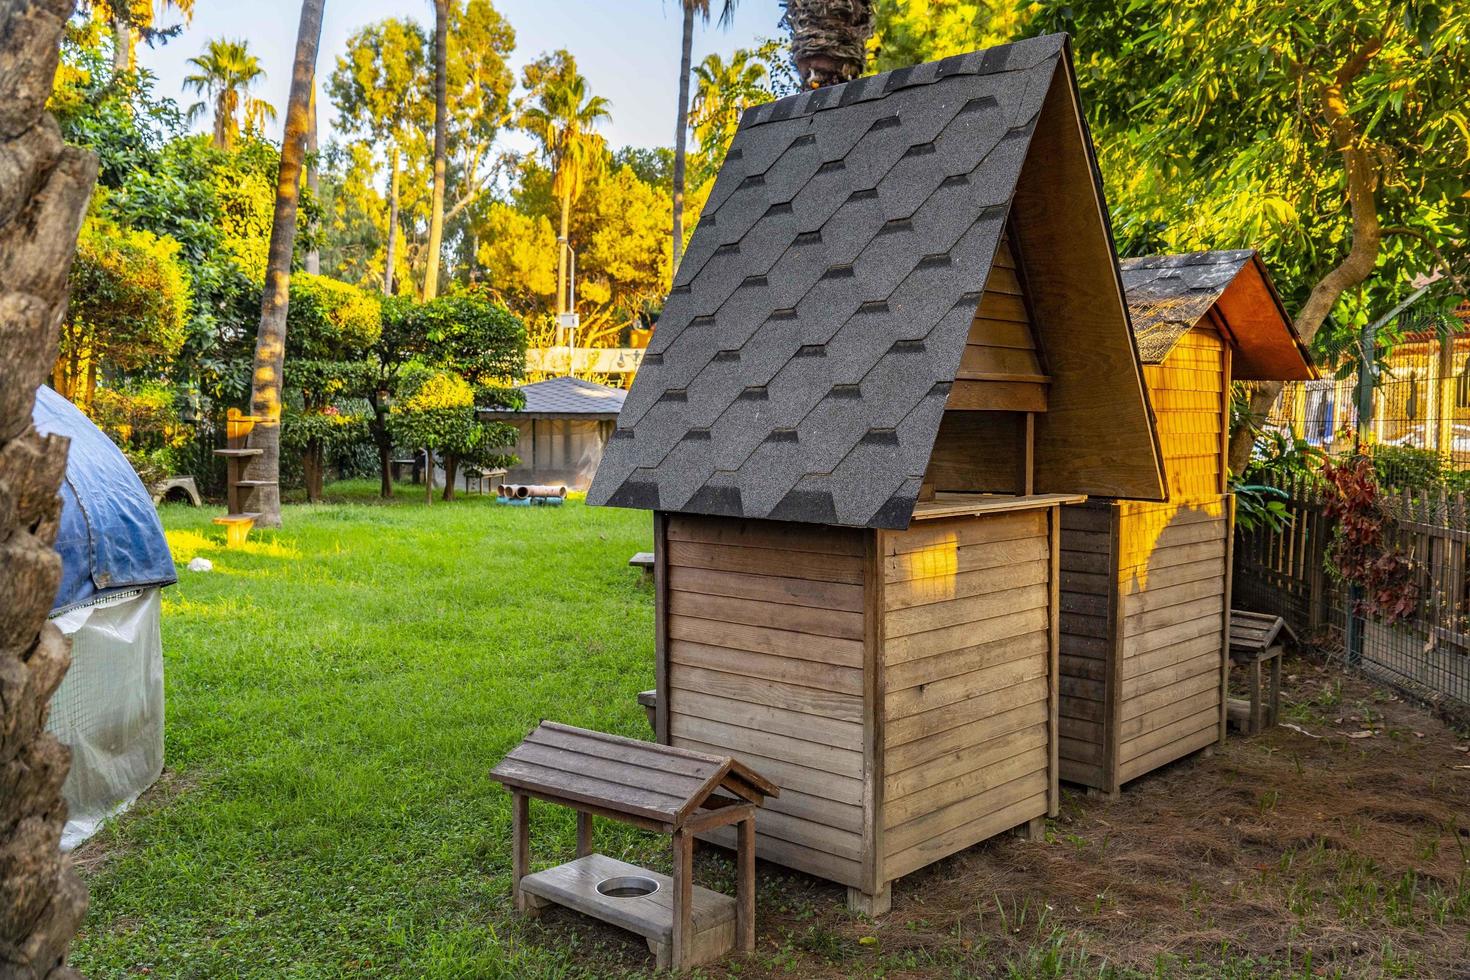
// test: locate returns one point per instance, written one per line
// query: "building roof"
(803, 360)
(1169, 294)
(560, 397)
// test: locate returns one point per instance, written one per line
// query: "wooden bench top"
(644, 559)
(643, 780)
(237, 519)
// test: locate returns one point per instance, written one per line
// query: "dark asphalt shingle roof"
(1167, 294)
(801, 364)
(567, 396)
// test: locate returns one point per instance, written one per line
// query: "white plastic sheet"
(109, 708)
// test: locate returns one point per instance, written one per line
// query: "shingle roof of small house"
(567, 396)
(1169, 294)
(802, 362)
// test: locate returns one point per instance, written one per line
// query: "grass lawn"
(336, 692)
(338, 689)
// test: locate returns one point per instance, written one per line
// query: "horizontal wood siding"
(1186, 391)
(967, 656)
(1172, 575)
(765, 627)
(1087, 560)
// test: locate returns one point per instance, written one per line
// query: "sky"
(628, 49)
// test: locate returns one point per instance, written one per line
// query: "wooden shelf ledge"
(967, 504)
(238, 452)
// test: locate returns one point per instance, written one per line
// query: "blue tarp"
(110, 537)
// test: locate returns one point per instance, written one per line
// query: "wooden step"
(238, 452)
(237, 519)
(255, 483)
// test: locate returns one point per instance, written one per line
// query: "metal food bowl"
(627, 886)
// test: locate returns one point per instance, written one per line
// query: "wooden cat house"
(1146, 586)
(896, 346)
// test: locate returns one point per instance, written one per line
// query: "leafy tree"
(437, 413)
(226, 73)
(399, 341)
(909, 32)
(135, 20)
(517, 252)
(270, 337)
(129, 301)
(654, 165)
(691, 9)
(1331, 135)
(561, 118)
(623, 252)
(723, 91)
(380, 89)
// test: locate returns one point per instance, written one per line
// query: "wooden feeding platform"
(896, 348)
(1146, 585)
(1257, 642)
(666, 790)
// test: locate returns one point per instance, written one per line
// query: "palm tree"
(227, 71)
(829, 39)
(441, 140)
(681, 129)
(561, 120)
(264, 494)
(723, 90)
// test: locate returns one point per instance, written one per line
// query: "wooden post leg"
(584, 833)
(683, 938)
(1275, 714)
(745, 886)
(1257, 708)
(520, 836)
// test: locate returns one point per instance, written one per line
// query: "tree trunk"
(392, 220)
(681, 134)
(451, 467)
(441, 138)
(561, 256)
(378, 426)
(270, 338)
(313, 180)
(1362, 257)
(122, 44)
(312, 464)
(829, 40)
(42, 201)
(428, 476)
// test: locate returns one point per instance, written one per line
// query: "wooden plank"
(923, 789)
(994, 787)
(1145, 743)
(767, 640)
(1029, 591)
(810, 620)
(914, 700)
(1175, 615)
(1169, 713)
(980, 363)
(634, 777)
(661, 625)
(1229, 584)
(764, 561)
(1025, 524)
(910, 727)
(982, 827)
(1083, 731)
(787, 670)
(1175, 554)
(817, 810)
(1141, 705)
(1174, 653)
(963, 585)
(803, 779)
(740, 740)
(947, 504)
(1054, 676)
(796, 856)
(1166, 754)
(809, 727)
(967, 395)
(1002, 306)
(1001, 332)
(772, 535)
(1168, 591)
(1206, 663)
(1015, 708)
(1003, 279)
(949, 671)
(811, 834)
(875, 694)
(1183, 573)
(1084, 751)
(558, 784)
(807, 701)
(951, 562)
(622, 749)
(767, 588)
(999, 622)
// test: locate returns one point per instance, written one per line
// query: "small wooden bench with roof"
(656, 787)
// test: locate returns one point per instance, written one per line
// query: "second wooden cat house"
(1146, 586)
(896, 346)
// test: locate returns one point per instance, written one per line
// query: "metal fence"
(1287, 572)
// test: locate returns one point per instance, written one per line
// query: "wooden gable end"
(1190, 391)
(1001, 370)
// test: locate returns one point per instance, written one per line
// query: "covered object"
(896, 346)
(109, 708)
(563, 428)
(1146, 586)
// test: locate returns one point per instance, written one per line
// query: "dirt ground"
(1340, 847)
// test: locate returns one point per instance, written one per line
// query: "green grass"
(336, 692)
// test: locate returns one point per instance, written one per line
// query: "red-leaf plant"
(1359, 552)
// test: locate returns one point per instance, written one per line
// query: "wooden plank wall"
(1088, 603)
(967, 657)
(1186, 392)
(765, 645)
(1172, 575)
